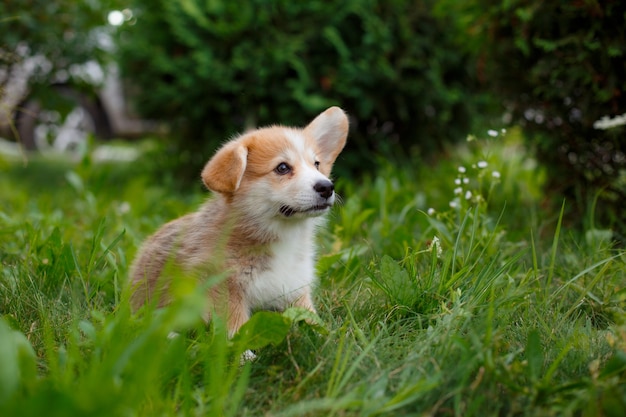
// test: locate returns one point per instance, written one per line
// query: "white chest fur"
(290, 270)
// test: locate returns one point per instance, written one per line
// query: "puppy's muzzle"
(325, 190)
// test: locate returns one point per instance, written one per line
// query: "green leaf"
(263, 328)
(18, 361)
(299, 314)
(325, 262)
(615, 365)
(534, 355)
(75, 181)
(395, 282)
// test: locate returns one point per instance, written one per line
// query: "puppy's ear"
(330, 131)
(223, 172)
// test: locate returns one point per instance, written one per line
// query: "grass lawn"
(445, 289)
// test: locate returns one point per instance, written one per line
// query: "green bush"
(215, 68)
(560, 67)
(62, 34)
(52, 54)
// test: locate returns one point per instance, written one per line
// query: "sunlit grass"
(486, 306)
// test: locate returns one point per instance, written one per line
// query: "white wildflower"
(482, 164)
(465, 180)
(457, 181)
(458, 190)
(608, 123)
(123, 207)
(455, 203)
(492, 133)
(468, 195)
(436, 244)
(495, 174)
(431, 211)
(462, 169)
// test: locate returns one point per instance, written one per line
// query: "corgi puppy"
(271, 190)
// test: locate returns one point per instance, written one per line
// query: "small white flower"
(458, 190)
(503, 131)
(608, 123)
(482, 164)
(468, 195)
(492, 133)
(457, 181)
(431, 211)
(465, 180)
(247, 356)
(436, 245)
(455, 203)
(123, 207)
(495, 174)
(462, 169)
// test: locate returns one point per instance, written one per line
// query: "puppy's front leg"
(305, 301)
(238, 314)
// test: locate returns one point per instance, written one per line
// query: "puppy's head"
(279, 171)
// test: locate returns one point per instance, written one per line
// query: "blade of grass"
(555, 246)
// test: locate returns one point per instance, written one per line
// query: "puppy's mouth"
(290, 211)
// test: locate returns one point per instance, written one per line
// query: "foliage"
(63, 32)
(216, 68)
(52, 56)
(560, 68)
(444, 290)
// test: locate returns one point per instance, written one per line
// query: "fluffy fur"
(271, 189)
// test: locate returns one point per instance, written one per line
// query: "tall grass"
(444, 290)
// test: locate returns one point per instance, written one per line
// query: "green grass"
(490, 307)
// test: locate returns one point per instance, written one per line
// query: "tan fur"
(236, 230)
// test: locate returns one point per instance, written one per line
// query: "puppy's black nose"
(324, 188)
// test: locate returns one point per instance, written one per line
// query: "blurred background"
(416, 78)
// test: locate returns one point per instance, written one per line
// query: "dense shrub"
(214, 68)
(560, 67)
(62, 32)
(51, 57)
(56, 36)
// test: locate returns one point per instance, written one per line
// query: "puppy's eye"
(317, 164)
(282, 169)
